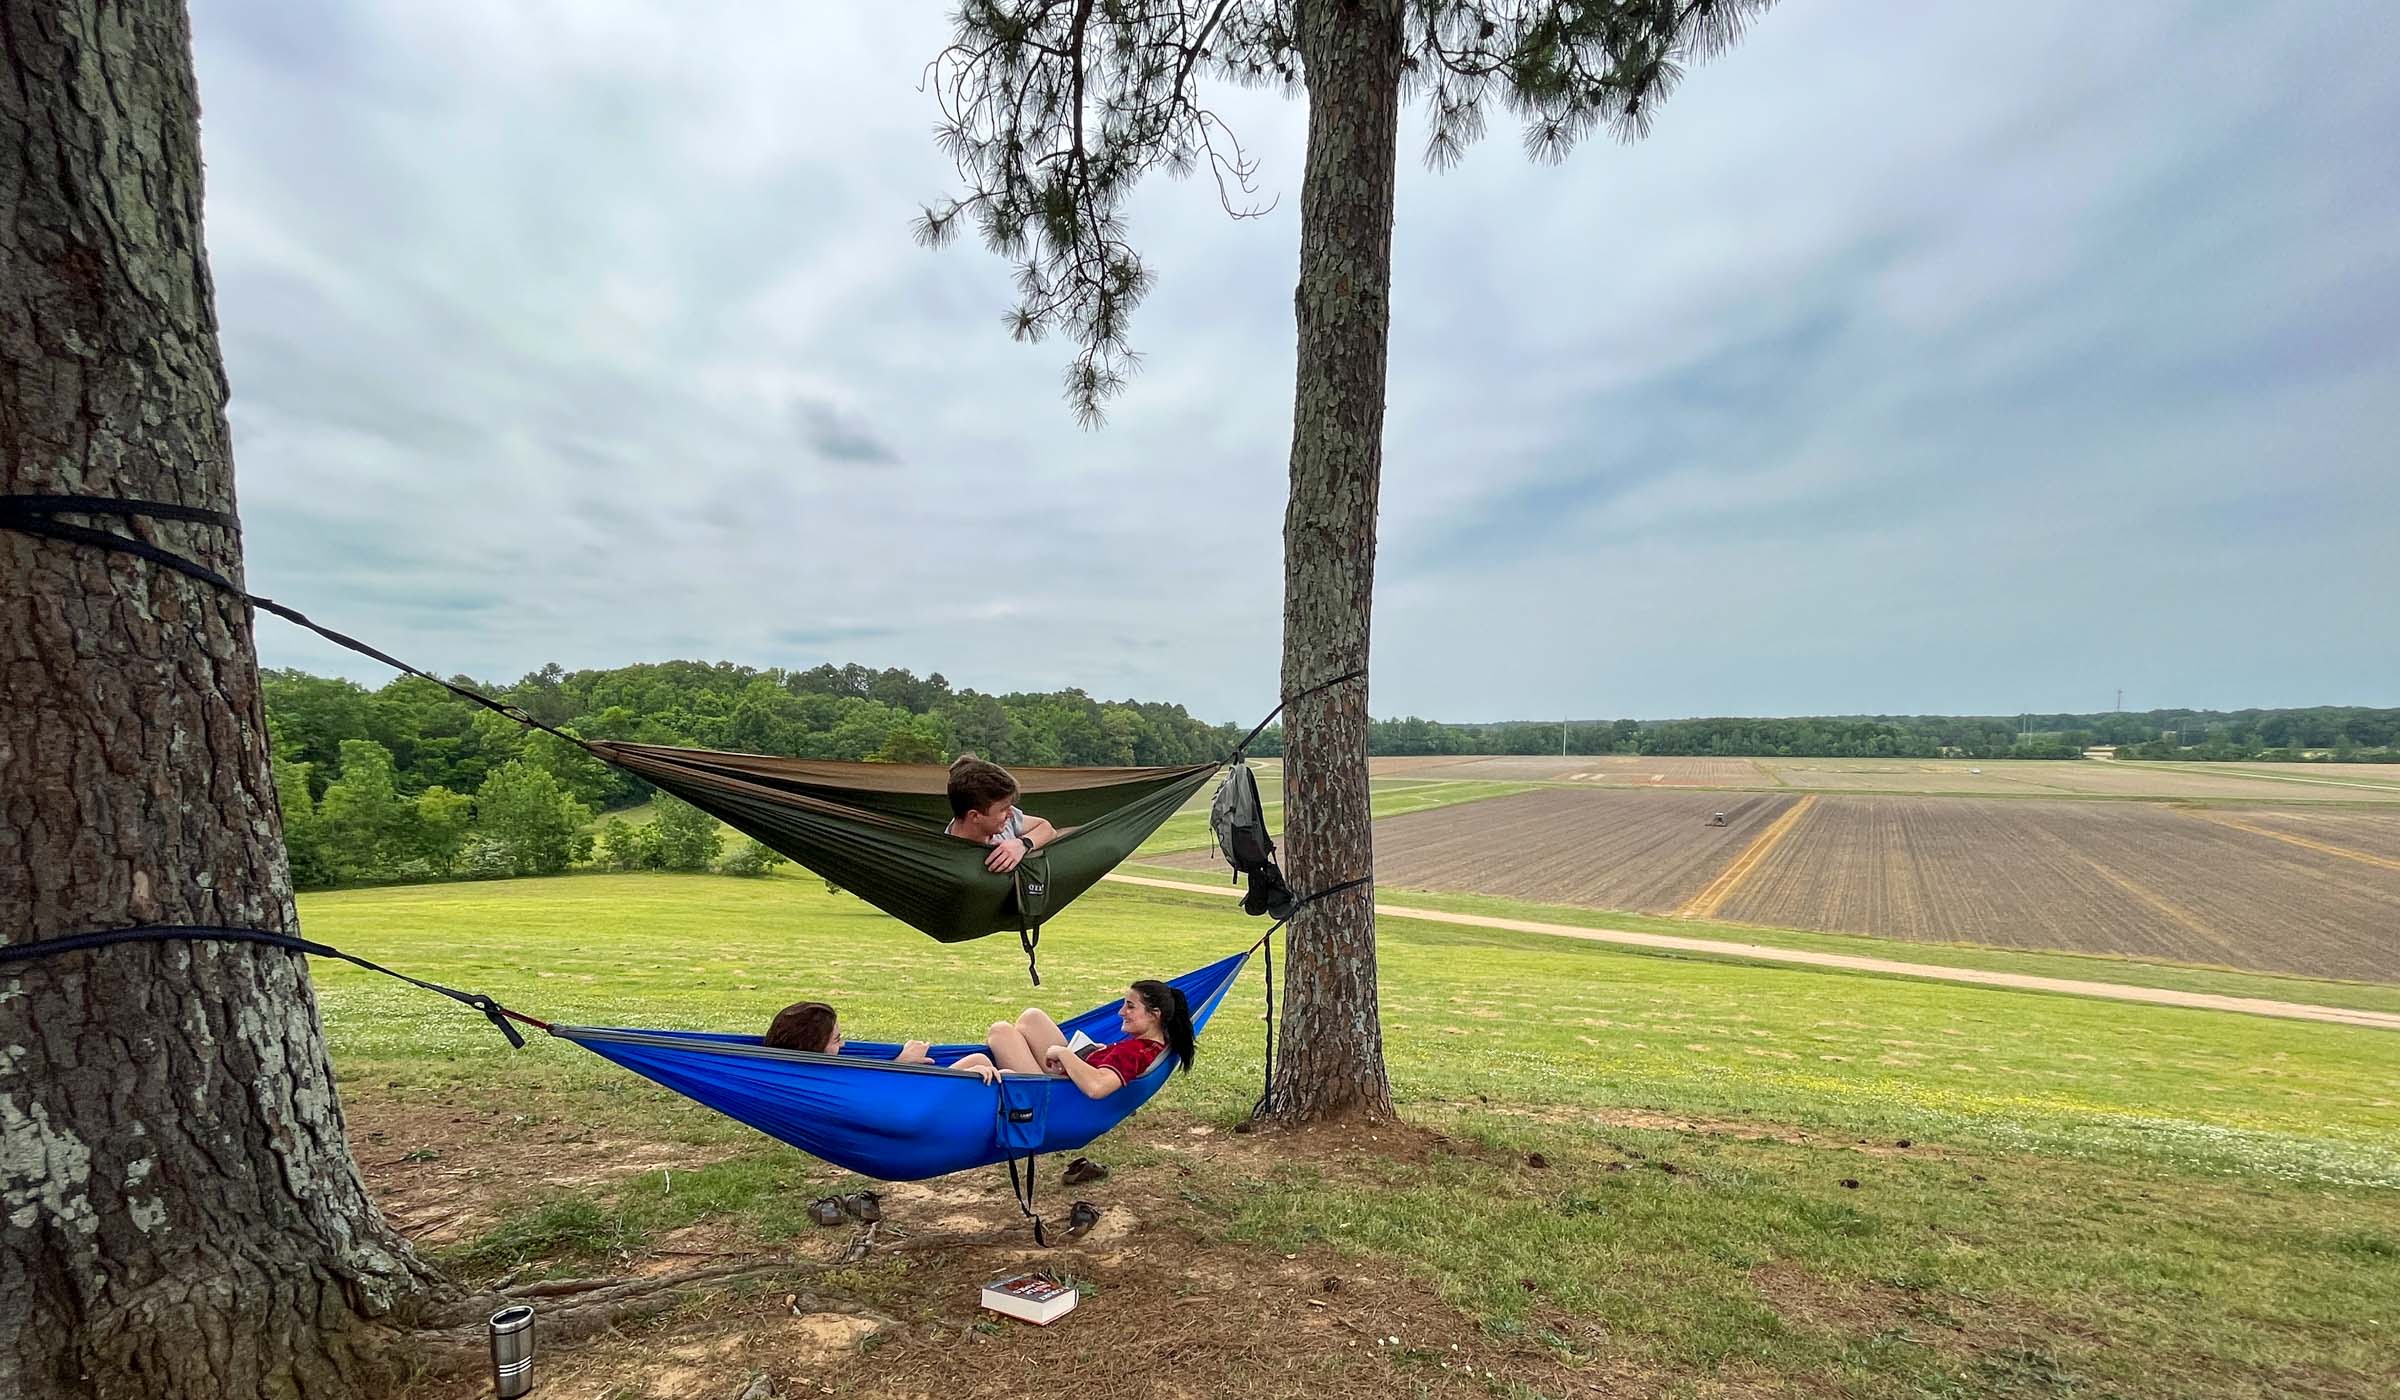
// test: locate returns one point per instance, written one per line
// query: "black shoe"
(826, 1210)
(1081, 1217)
(864, 1206)
(1083, 1169)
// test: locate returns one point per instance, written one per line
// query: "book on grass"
(1080, 1043)
(1033, 1297)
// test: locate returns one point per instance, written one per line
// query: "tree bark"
(180, 1214)
(1332, 1061)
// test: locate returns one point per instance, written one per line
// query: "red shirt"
(1127, 1057)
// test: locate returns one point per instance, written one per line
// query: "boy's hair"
(803, 1025)
(975, 784)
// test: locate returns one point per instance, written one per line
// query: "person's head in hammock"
(813, 1027)
(983, 809)
(1156, 1020)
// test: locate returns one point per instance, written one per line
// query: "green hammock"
(876, 829)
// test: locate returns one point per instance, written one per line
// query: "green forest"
(410, 782)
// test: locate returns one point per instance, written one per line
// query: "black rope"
(1266, 1088)
(1292, 699)
(161, 933)
(1266, 1095)
(32, 515)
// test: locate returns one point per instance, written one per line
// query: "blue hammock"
(891, 1121)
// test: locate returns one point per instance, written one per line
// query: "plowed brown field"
(2138, 879)
(2275, 889)
(1611, 850)
(1616, 770)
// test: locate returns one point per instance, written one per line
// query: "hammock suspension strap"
(1266, 947)
(499, 1015)
(33, 515)
(1020, 1184)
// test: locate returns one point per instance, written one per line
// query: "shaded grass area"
(2088, 967)
(2097, 1197)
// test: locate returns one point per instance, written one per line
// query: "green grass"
(2106, 1198)
(2088, 967)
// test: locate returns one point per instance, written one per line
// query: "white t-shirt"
(1011, 830)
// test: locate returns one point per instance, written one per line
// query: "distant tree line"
(410, 782)
(2324, 733)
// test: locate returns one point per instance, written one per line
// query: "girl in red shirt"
(1156, 1020)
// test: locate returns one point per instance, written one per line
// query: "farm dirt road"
(1756, 952)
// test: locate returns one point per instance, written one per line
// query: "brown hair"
(975, 784)
(803, 1025)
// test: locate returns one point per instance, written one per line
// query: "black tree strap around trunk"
(164, 933)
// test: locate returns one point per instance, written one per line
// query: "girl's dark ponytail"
(1174, 1012)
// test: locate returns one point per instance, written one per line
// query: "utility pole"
(1562, 738)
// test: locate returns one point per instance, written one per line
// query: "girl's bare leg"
(1010, 1051)
(1039, 1031)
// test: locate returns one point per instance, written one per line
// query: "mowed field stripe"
(1846, 962)
(2293, 838)
(1705, 904)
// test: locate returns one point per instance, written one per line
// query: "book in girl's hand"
(1080, 1043)
(1033, 1297)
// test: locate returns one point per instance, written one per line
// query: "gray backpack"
(1238, 820)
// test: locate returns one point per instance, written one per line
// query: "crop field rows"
(2141, 880)
(2308, 891)
(2314, 782)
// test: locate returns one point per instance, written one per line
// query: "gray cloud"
(839, 437)
(1922, 359)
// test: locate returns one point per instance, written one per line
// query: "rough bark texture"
(179, 1211)
(1332, 1044)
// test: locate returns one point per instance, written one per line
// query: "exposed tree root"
(451, 1336)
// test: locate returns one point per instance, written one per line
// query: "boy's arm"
(1038, 830)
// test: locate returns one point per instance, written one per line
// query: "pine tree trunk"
(1332, 1042)
(179, 1211)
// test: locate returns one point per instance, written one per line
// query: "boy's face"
(984, 823)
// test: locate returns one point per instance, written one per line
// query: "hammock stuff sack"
(875, 829)
(898, 1122)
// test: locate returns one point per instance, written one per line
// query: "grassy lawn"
(2088, 967)
(2095, 1198)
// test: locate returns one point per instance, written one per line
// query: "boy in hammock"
(983, 808)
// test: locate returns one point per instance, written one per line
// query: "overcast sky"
(1958, 358)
